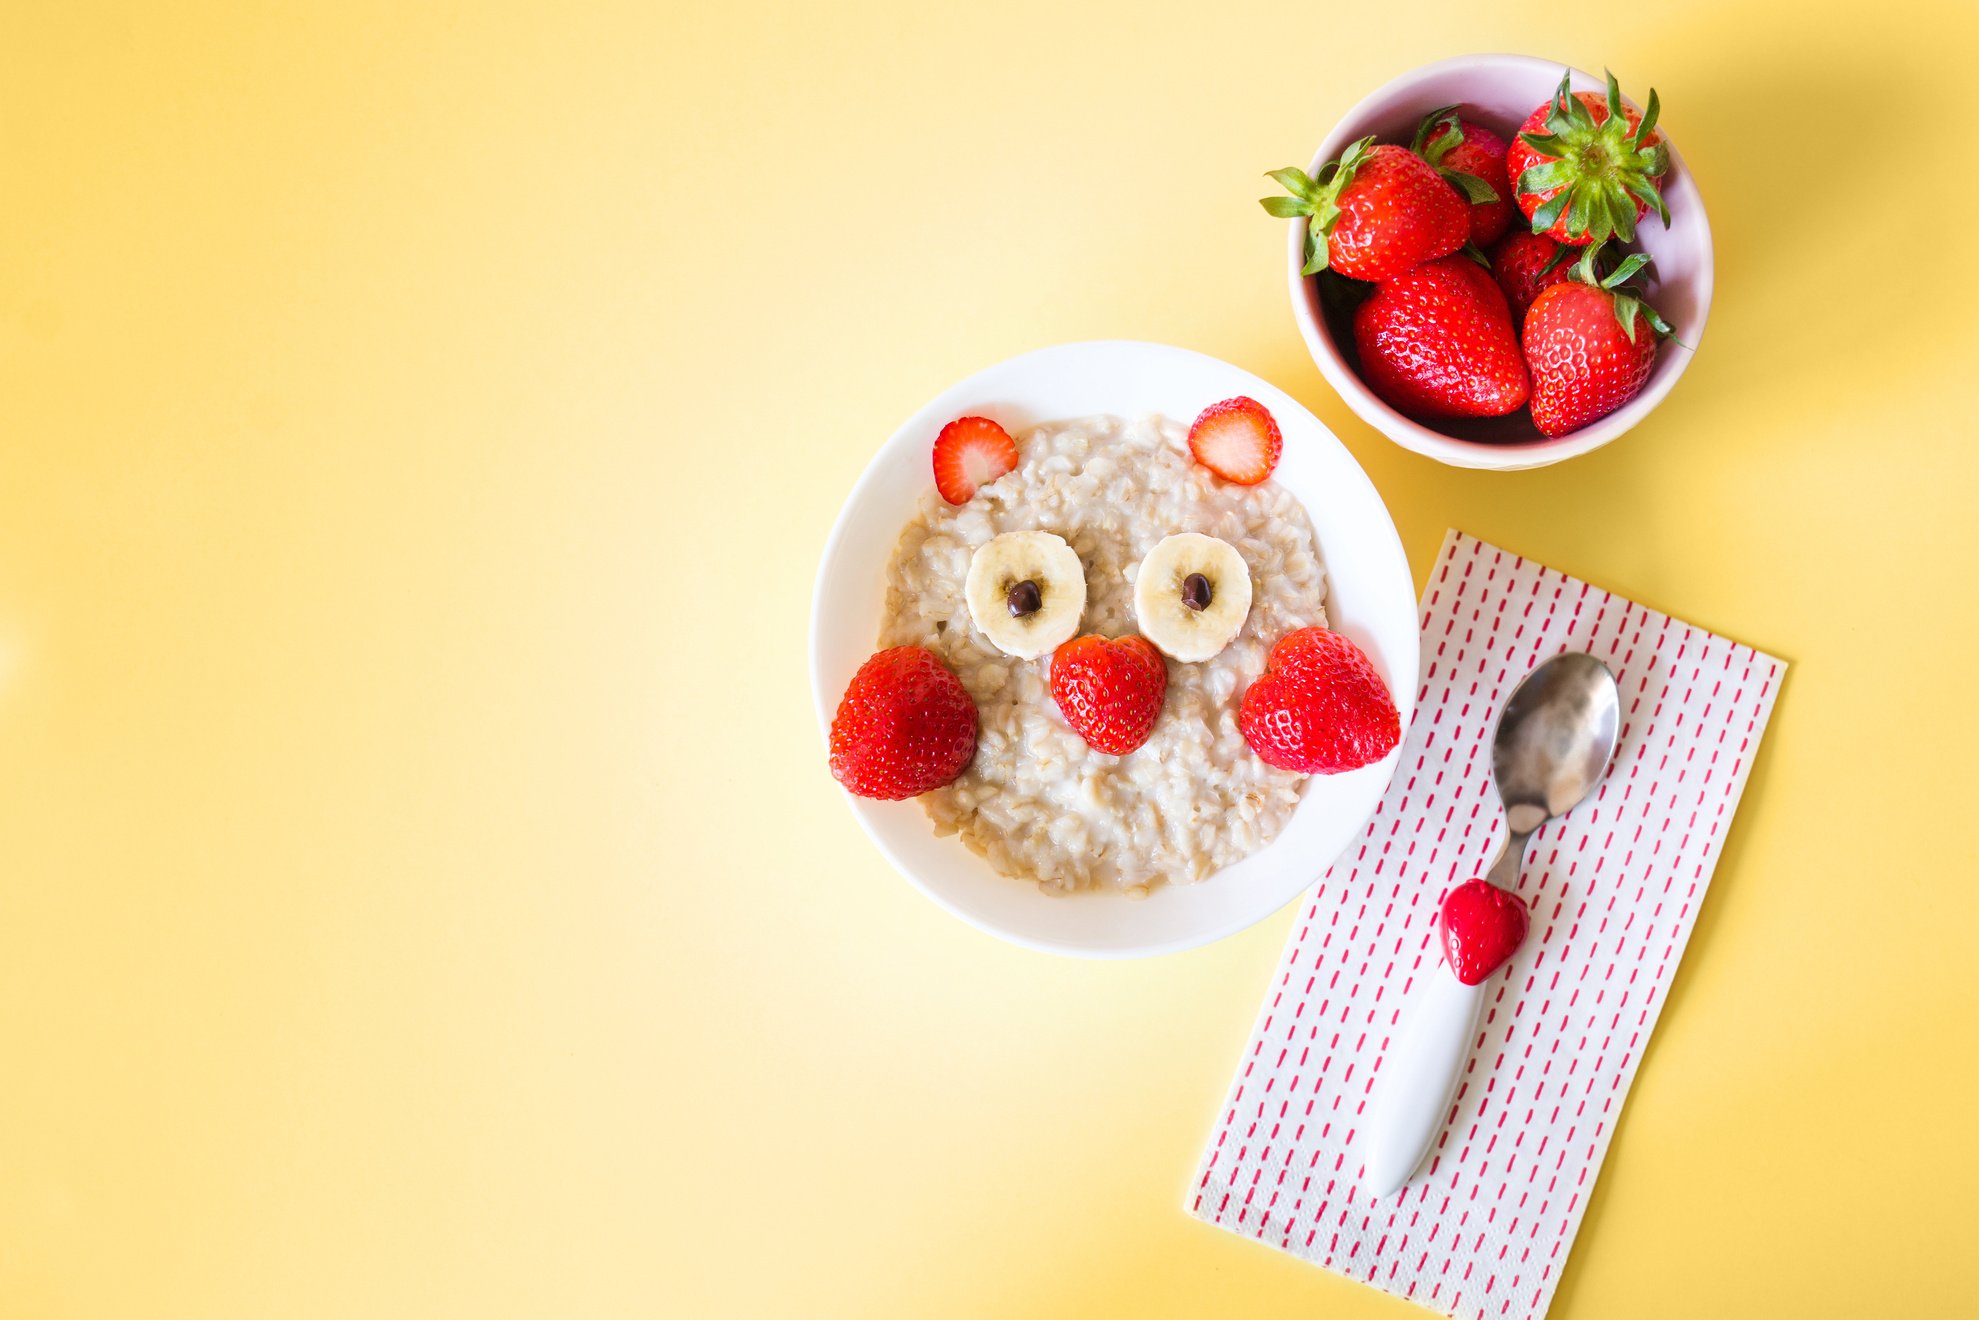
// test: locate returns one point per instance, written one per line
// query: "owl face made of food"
(1105, 664)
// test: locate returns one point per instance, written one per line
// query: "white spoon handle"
(1419, 1078)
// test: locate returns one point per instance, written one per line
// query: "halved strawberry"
(970, 453)
(1238, 440)
(1319, 707)
(905, 725)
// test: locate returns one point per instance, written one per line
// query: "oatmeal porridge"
(1037, 801)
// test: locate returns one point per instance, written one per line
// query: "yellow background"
(421, 893)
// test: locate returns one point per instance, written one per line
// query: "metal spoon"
(1554, 742)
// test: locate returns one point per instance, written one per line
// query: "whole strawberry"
(1525, 263)
(905, 725)
(1110, 692)
(1319, 708)
(1375, 212)
(1590, 348)
(1482, 927)
(1438, 342)
(1586, 169)
(1468, 155)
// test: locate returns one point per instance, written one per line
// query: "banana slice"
(1026, 591)
(1192, 594)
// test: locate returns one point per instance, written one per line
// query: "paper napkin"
(1614, 888)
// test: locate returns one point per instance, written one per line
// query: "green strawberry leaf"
(1621, 212)
(1454, 136)
(1316, 255)
(1558, 117)
(1545, 176)
(1648, 124)
(1317, 196)
(1650, 193)
(1292, 180)
(1548, 213)
(1579, 207)
(1579, 115)
(1350, 159)
(1561, 254)
(1476, 254)
(1632, 263)
(1474, 189)
(1614, 95)
(1626, 308)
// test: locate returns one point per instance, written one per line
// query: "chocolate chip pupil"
(1195, 591)
(1024, 598)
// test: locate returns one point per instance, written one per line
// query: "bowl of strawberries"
(1497, 261)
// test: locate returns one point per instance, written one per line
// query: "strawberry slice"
(970, 453)
(1238, 440)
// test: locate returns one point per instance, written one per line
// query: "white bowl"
(1499, 91)
(1370, 598)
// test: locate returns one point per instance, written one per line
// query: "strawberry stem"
(1434, 152)
(1318, 197)
(1596, 173)
(1628, 302)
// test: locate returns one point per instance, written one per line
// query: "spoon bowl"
(1555, 738)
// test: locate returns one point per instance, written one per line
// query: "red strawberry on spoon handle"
(1438, 342)
(1472, 158)
(1589, 345)
(1481, 927)
(1585, 170)
(1556, 738)
(1375, 212)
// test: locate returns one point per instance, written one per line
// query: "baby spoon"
(1554, 741)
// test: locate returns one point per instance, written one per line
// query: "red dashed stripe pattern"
(1614, 890)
